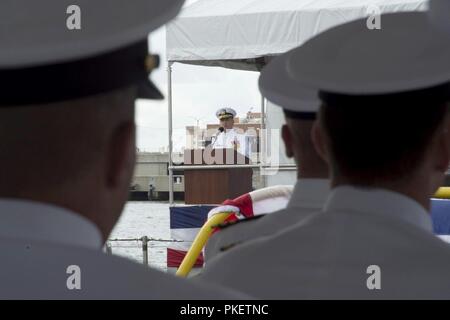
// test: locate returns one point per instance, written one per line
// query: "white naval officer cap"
(66, 49)
(277, 86)
(440, 14)
(406, 62)
(225, 113)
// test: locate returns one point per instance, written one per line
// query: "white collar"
(381, 202)
(35, 221)
(310, 193)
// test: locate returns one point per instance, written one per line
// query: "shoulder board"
(228, 224)
(227, 247)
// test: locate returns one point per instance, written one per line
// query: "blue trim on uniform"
(440, 214)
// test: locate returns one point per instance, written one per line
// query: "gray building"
(151, 178)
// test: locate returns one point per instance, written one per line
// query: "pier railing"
(144, 244)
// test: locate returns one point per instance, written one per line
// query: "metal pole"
(169, 98)
(145, 250)
(263, 112)
(262, 160)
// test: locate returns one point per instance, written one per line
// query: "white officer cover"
(408, 53)
(36, 33)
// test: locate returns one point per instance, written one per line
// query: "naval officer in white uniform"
(312, 186)
(70, 71)
(228, 137)
(384, 128)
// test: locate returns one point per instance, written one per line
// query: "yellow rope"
(443, 193)
(199, 242)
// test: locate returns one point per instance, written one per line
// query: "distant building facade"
(151, 178)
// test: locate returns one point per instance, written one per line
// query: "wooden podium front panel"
(205, 186)
(213, 186)
(239, 182)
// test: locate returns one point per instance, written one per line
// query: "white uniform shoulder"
(47, 252)
(308, 198)
(43, 271)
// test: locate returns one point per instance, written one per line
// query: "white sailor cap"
(440, 14)
(276, 85)
(225, 113)
(407, 61)
(66, 49)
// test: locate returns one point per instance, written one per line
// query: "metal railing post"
(144, 240)
(108, 247)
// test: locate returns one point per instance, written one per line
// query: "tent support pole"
(169, 112)
(262, 160)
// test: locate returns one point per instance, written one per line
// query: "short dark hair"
(379, 143)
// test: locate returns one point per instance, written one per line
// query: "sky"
(197, 92)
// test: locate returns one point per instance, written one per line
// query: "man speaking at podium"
(228, 137)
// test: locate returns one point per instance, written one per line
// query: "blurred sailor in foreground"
(228, 137)
(68, 148)
(384, 129)
(312, 187)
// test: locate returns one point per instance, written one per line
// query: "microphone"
(219, 131)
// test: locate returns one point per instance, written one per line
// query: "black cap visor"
(76, 79)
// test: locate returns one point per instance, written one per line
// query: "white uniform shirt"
(308, 197)
(38, 242)
(328, 255)
(228, 139)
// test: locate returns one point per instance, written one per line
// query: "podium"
(214, 185)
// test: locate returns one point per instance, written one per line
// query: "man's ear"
(319, 141)
(121, 155)
(286, 134)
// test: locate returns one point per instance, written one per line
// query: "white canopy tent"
(244, 34)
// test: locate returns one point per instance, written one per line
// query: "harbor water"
(143, 218)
